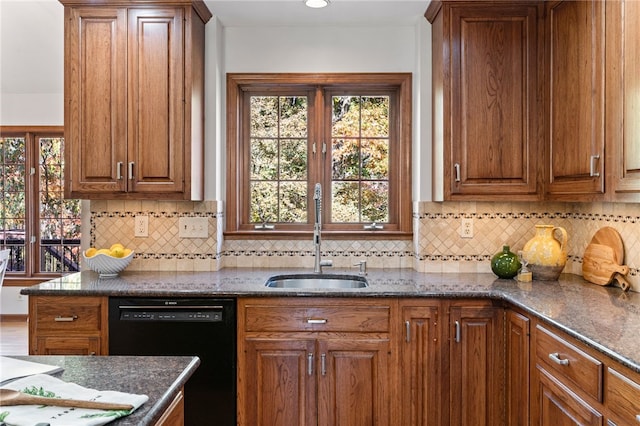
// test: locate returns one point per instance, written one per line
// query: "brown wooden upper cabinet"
(622, 100)
(534, 100)
(134, 98)
(487, 64)
(575, 65)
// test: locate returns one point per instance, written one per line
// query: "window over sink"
(349, 132)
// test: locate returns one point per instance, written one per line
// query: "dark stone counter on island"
(160, 378)
(605, 318)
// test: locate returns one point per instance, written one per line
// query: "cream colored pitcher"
(545, 254)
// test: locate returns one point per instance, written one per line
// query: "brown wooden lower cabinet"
(308, 361)
(62, 325)
(476, 363)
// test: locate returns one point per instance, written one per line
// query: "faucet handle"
(326, 263)
(363, 267)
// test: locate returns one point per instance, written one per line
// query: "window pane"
(264, 202)
(375, 202)
(293, 159)
(293, 116)
(345, 159)
(13, 212)
(346, 116)
(59, 235)
(375, 116)
(375, 159)
(278, 163)
(360, 159)
(293, 202)
(264, 159)
(264, 116)
(345, 202)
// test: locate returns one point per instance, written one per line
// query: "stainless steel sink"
(317, 281)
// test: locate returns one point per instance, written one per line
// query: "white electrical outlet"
(193, 227)
(141, 226)
(466, 230)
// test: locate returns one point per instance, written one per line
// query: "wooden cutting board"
(608, 236)
(599, 264)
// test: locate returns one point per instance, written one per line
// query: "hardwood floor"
(14, 338)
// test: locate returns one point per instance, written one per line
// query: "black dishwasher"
(205, 327)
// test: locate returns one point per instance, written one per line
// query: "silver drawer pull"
(65, 319)
(323, 364)
(457, 337)
(407, 329)
(316, 321)
(555, 357)
(456, 169)
(310, 364)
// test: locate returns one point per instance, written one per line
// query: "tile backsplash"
(437, 245)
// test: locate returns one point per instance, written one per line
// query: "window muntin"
(37, 224)
(361, 155)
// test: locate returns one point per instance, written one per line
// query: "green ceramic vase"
(505, 264)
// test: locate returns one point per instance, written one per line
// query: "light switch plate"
(193, 227)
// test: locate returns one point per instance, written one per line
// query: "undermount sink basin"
(317, 281)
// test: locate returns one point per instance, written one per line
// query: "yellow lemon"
(117, 252)
(104, 251)
(90, 252)
(115, 246)
(126, 252)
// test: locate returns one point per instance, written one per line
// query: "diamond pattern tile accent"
(437, 244)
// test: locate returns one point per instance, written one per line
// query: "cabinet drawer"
(82, 315)
(623, 398)
(339, 318)
(568, 363)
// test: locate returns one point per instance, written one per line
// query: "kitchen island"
(160, 378)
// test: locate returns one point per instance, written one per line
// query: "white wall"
(403, 48)
(31, 62)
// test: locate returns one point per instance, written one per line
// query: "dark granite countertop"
(161, 378)
(605, 318)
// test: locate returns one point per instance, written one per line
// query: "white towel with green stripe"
(49, 386)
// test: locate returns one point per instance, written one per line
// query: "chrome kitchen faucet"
(317, 231)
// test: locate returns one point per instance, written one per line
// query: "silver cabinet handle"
(592, 166)
(456, 168)
(316, 321)
(555, 357)
(65, 319)
(119, 170)
(323, 364)
(309, 363)
(457, 339)
(131, 170)
(638, 418)
(407, 329)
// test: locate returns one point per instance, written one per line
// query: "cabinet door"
(623, 106)
(517, 395)
(559, 406)
(354, 382)
(476, 367)
(156, 100)
(495, 96)
(277, 381)
(67, 346)
(419, 370)
(95, 100)
(575, 55)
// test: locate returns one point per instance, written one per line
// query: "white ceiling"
(339, 12)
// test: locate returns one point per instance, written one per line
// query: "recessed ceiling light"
(316, 4)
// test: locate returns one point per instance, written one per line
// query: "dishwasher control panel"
(174, 316)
